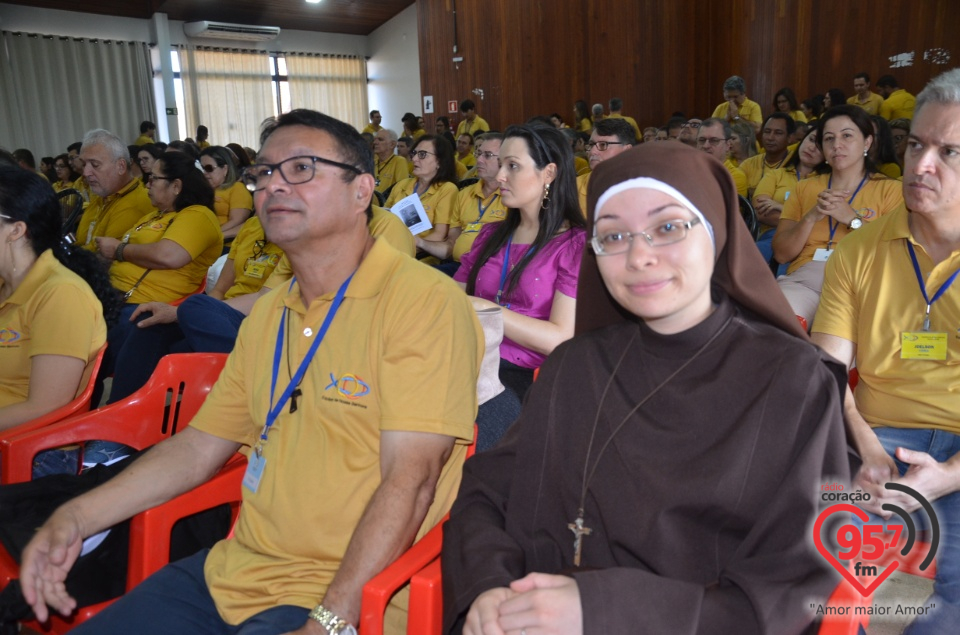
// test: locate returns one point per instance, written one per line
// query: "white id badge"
(255, 465)
(821, 255)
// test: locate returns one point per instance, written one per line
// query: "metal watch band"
(328, 619)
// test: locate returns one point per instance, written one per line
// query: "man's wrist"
(331, 622)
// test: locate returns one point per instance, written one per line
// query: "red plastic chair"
(81, 403)
(164, 405)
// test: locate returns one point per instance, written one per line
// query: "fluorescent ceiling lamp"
(313, 1)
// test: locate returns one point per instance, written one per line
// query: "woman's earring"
(546, 196)
(865, 152)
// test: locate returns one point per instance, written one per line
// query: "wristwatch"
(331, 621)
(856, 223)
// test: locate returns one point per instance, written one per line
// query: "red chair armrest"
(378, 591)
(425, 616)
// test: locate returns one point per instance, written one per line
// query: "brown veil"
(740, 269)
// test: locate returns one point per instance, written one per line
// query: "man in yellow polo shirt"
(863, 96)
(882, 307)
(477, 205)
(736, 106)
(388, 167)
(148, 133)
(609, 138)
(351, 459)
(374, 126)
(715, 139)
(616, 105)
(472, 122)
(897, 103)
(118, 200)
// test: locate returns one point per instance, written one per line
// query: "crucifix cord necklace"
(577, 526)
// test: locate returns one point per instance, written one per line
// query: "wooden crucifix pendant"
(579, 531)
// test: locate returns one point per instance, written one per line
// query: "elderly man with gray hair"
(736, 107)
(117, 200)
(388, 167)
(891, 303)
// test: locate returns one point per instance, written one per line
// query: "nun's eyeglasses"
(659, 235)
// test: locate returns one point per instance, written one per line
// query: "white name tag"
(821, 255)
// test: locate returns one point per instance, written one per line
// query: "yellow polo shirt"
(402, 354)
(143, 140)
(371, 128)
(438, 200)
(81, 186)
(388, 172)
(237, 196)
(52, 312)
(798, 116)
(114, 215)
(252, 257)
(581, 165)
(468, 161)
(899, 105)
(872, 105)
(473, 127)
(870, 297)
(739, 178)
(749, 110)
(466, 215)
(583, 181)
(194, 228)
(878, 196)
(755, 167)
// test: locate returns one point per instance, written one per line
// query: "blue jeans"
(945, 618)
(208, 325)
(175, 599)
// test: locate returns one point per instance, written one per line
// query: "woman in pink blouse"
(528, 264)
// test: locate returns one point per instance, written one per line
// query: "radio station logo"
(868, 552)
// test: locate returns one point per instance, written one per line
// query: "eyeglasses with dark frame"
(154, 177)
(711, 141)
(295, 171)
(663, 233)
(422, 154)
(486, 154)
(691, 124)
(602, 146)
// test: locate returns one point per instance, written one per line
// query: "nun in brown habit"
(665, 471)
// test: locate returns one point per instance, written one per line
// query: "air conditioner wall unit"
(227, 31)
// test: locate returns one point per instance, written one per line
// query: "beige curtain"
(228, 91)
(53, 89)
(333, 84)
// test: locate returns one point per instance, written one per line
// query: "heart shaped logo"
(865, 591)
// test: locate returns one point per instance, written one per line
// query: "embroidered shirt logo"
(8, 336)
(349, 386)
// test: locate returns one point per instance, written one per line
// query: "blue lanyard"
(416, 184)
(505, 269)
(483, 210)
(923, 287)
(830, 221)
(302, 369)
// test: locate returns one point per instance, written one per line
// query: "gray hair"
(942, 89)
(100, 137)
(597, 109)
(735, 83)
(713, 121)
(391, 135)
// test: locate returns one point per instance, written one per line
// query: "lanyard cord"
(923, 287)
(834, 224)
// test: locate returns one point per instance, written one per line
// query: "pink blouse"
(555, 267)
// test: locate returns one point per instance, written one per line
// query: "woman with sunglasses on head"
(434, 182)
(232, 203)
(528, 263)
(670, 451)
(823, 209)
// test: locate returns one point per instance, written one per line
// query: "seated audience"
(581, 117)
(899, 131)
(148, 133)
(374, 126)
(774, 136)
(389, 168)
(812, 108)
(736, 107)
(528, 263)
(403, 149)
(688, 133)
(53, 302)
(715, 139)
(744, 143)
(444, 129)
(883, 153)
(232, 203)
(117, 199)
(146, 156)
(827, 207)
(596, 114)
(778, 185)
(472, 123)
(643, 487)
(834, 97)
(609, 138)
(616, 106)
(477, 205)
(649, 134)
(242, 155)
(46, 169)
(785, 101)
(465, 150)
(434, 182)
(65, 174)
(135, 170)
